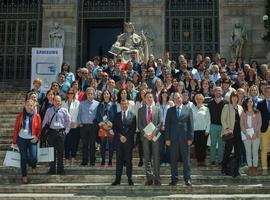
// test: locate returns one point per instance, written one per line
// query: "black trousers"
(88, 137)
(200, 141)
(56, 139)
(235, 143)
(123, 155)
(139, 144)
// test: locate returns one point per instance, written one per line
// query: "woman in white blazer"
(72, 138)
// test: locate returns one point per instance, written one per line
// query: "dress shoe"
(157, 183)
(110, 163)
(173, 183)
(213, 163)
(92, 164)
(50, 172)
(188, 183)
(116, 183)
(34, 171)
(140, 163)
(102, 163)
(84, 164)
(130, 182)
(24, 180)
(61, 172)
(148, 183)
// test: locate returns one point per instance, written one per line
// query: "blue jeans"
(103, 146)
(28, 152)
(71, 143)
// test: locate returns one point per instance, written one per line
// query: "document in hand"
(250, 132)
(151, 128)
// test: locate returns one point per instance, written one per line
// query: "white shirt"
(201, 118)
(24, 133)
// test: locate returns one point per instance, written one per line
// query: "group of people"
(110, 104)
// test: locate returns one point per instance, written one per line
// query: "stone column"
(149, 16)
(65, 13)
(249, 13)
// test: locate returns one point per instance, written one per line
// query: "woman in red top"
(26, 134)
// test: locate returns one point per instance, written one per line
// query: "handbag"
(227, 134)
(45, 130)
(45, 154)
(12, 159)
(102, 132)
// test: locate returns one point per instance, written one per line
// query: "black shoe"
(116, 183)
(50, 172)
(213, 163)
(84, 164)
(173, 183)
(140, 163)
(61, 172)
(110, 163)
(130, 182)
(148, 183)
(157, 183)
(92, 164)
(102, 163)
(236, 174)
(188, 183)
(220, 163)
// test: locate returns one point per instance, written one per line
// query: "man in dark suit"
(124, 127)
(147, 114)
(179, 136)
(264, 108)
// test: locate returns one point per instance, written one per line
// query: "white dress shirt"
(201, 118)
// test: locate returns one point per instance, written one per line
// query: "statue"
(56, 37)
(238, 39)
(268, 59)
(128, 42)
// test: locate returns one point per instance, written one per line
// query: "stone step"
(105, 189)
(138, 179)
(42, 169)
(64, 196)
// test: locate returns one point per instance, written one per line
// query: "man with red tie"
(147, 114)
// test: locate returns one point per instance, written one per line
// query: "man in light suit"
(124, 127)
(147, 114)
(179, 136)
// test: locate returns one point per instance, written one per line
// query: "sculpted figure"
(130, 41)
(56, 37)
(238, 39)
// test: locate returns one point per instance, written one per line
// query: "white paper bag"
(45, 154)
(12, 159)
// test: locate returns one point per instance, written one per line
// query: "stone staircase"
(94, 182)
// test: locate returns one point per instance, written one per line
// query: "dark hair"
(53, 83)
(148, 92)
(197, 84)
(234, 94)
(164, 90)
(62, 67)
(102, 95)
(76, 81)
(119, 95)
(245, 105)
(139, 98)
(62, 73)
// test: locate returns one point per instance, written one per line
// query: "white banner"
(46, 64)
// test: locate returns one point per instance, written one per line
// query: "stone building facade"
(177, 26)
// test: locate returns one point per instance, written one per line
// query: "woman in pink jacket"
(251, 121)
